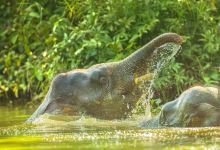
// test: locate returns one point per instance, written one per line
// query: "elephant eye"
(103, 80)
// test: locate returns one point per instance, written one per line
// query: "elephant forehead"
(196, 95)
(169, 107)
(67, 83)
(108, 68)
(59, 83)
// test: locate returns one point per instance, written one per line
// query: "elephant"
(198, 106)
(106, 90)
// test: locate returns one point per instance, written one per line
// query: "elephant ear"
(204, 115)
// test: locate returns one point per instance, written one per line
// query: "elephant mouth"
(62, 110)
(56, 107)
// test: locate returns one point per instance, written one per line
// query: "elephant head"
(196, 107)
(107, 90)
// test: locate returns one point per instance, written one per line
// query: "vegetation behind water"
(39, 39)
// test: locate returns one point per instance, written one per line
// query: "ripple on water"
(91, 133)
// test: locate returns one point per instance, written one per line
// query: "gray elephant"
(106, 91)
(196, 107)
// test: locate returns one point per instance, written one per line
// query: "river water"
(81, 132)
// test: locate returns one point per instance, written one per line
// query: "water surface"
(60, 132)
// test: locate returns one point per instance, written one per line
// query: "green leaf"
(14, 39)
(39, 75)
(34, 15)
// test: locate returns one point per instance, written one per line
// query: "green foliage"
(42, 38)
(155, 106)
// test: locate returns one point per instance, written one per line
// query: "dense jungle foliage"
(39, 39)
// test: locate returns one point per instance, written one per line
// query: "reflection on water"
(12, 116)
(59, 132)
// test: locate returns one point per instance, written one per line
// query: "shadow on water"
(62, 132)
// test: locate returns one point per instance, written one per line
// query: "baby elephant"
(196, 107)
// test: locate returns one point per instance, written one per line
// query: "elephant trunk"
(41, 109)
(137, 62)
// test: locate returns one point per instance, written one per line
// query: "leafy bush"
(42, 38)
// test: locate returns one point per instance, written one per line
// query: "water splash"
(160, 59)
